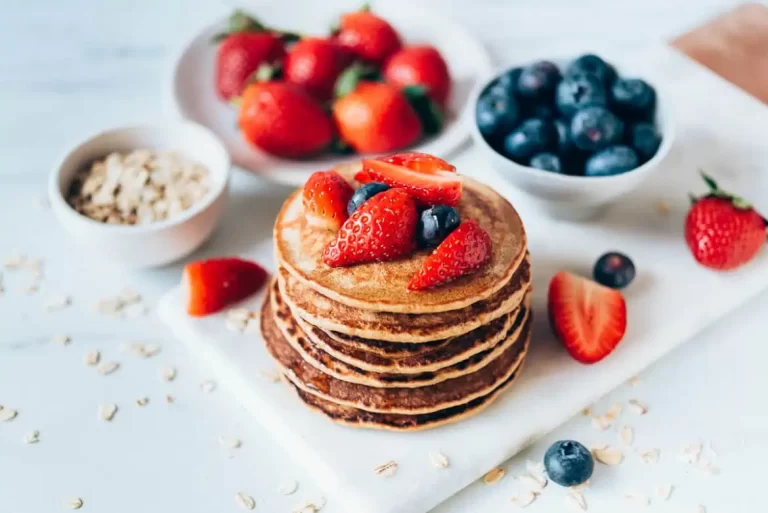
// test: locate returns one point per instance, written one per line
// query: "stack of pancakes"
(360, 348)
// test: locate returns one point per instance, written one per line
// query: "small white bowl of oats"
(143, 195)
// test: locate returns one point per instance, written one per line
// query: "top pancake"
(382, 286)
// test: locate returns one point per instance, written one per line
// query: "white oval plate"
(192, 81)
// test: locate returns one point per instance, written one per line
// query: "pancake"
(344, 343)
(382, 286)
(354, 417)
(330, 315)
(295, 333)
(410, 401)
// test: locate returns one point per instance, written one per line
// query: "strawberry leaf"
(710, 182)
(239, 21)
(266, 72)
(741, 203)
(366, 7)
(341, 147)
(429, 114)
(350, 77)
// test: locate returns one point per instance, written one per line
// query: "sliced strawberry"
(383, 228)
(212, 285)
(589, 319)
(465, 250)
(434, 187)
(422, 162)
(325, 199)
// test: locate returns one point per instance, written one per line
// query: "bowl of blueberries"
(576, 134)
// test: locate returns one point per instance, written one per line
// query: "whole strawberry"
(420, 65)
(246, 46)
(284, 120)
(315, 64)
(383, 228)
(723, 231)
(325, 197)
(367, 36)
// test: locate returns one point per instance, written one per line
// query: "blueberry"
(568, 463)
(595, 128)
(579, 91)
(538, 80)
(506, 84)
(363, 194)
(645, 140)
(435, 224)
(611, 161)
(496, 115)
(538, 110)
(593, 65)
(633, 98)
(614, 270)
(547, 161)
(531, 137)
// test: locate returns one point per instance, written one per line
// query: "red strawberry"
(245, 47)
(420, 65)
(422, 162)
(325, 199)
(315, 64)
(214, 284)
(367, 36)
(426, 181)
(376, 118)
(465, 250)
(723, 231)
(283, 120)
(589, 319)
(383, 228)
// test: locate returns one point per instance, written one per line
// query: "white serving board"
(719, 129)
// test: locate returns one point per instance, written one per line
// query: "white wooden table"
(69, 68)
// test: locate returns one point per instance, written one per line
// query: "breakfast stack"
(409, 307)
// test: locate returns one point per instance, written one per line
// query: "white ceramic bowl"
(153, 244)
(576, 197)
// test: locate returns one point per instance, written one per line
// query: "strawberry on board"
(212, 285)
(589, 319)
(367, 36)
(723, 231)
(431, 181)
(420, 65)
(325, 198)
(465, 250)
(383, 228)
(244, 47)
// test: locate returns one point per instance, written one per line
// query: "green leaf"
(430, 115)
(348, 80)
(709, 181)
(290, 37)
(266, 72)
(341, 147)
(366, 7)
(240, 21)
(741, 203)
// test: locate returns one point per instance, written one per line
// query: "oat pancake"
(354, 417)
(501, 337)
(381, 348)
(330, 315)
(410, 401)
(382, 286)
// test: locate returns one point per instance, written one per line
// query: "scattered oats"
(74, 503)
(61, 340)
(388, 469)
(7, 414)
(534, 467)
(594, 446)
(244, 500)
(92, 357)
(608, 456)
(438, 459)
(634, 381)
(581, 486)
(602, 422)
(701, 509)
(32, 437)
(650, 455)
(575, 500)
(168, 398)
(235, 325)
(308, 508)
(586, 411)
(534, 481)
(239, 314)
(168, 373)
(494, 476)
(229, 442)
(663, 492)
(129, 296)
(638, 498)
(638, 407)
(707, 467)
(109, 306)
(524, 499)
(613, 413)
(144, 350)
(208, 386)
(288, 487)
(142, 401)
(57, 302)
(663, 208)
(107, 411)
(690, 453)
(135, 310)
(627, 435)
(106, 368)
(272, 375)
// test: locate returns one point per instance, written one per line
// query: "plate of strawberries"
(300, 86)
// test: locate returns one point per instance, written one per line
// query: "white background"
(70, 68)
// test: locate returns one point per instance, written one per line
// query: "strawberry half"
(383, 228)
(422, 162)
(589, 319)
(325, 197)
(465, 250)
(214, 284)
(424, 179)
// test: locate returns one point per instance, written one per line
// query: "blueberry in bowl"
(547, 162)
(575, 92)
(594, 128)
(538, 80)
(533, 136)
(645, 139)
(593, 65)
(613, 160)
(506, 84)
(633, 98)
(496, 115)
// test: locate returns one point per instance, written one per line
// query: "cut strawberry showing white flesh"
(429, 187)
